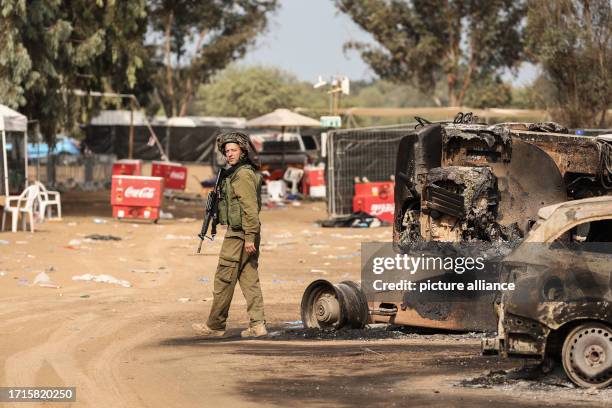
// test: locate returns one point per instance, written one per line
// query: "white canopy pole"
(4, 164)
(25, 155)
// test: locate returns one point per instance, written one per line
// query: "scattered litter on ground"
(3, 273)
(122, 259)
(283, 235)
(22, 282)
(353, 255)
(43, 280)
(318, 246)
(349, 236)
(531, 378)
(72, 224)
(184, 300)
(21, 242)
(100, 237)
(374, 332)
(186, 219)
(165, 215)
(99, 221)
(308, 232)
(102, 279)
(144, 271)
(208, 299)
(84, 296)
(297, 324)
(4, 242)
(203, 279)
(356, 220)
(74, 242)
(178, 237)
(318, 271)
(273, 245)
(279, 281)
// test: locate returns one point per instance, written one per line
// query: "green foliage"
(425, 41)
(253, 91)
(194, 39)
(250, 92)
(53, 47)
(488, 93)
(572, 40)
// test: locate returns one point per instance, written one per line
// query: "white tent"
(12, 121)
(282, 118)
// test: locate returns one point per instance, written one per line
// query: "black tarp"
(182, 144)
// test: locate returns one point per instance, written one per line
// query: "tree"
(53, 47)
(251, 92)
(425, 41)
(572, 40)
(194, 39)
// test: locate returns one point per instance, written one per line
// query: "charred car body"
(466, 182)
(561, 308)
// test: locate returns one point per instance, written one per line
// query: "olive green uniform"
(238, 209)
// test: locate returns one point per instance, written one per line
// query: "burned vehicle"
(561, 306)
(463, 182)
(469, 182)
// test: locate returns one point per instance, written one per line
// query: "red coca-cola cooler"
(174, 174)
(137, 197)
(376, 199)
(313, 182)
(127, 168)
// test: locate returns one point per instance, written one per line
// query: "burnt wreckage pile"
(474, 182)
(466, 183)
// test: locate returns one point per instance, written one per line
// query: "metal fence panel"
(368, 153)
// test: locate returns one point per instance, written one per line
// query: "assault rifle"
(211, 213)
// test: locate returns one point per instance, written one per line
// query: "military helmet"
(243, 140)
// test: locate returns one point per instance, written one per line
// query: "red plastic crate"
(376, 199)
(174, 174)
(313, 177)
(127, 168)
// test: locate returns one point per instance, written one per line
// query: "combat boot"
(203, 330)
(259, 330)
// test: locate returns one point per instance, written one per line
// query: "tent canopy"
(12, 121)
(282, 118)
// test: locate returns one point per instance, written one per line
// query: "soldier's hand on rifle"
(249, 247)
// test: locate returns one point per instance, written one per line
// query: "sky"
(305, 37)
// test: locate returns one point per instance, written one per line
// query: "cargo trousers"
(235, 265)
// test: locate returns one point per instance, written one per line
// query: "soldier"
(239, 208)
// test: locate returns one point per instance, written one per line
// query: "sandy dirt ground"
(133, 346)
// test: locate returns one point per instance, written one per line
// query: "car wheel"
(587, 355)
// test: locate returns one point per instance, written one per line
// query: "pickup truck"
(278, 152)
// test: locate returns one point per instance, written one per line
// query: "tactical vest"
(230, 211)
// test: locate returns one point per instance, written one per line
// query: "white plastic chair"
(294, 176)
(277, 190)
(24, 206)
(47, 199)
